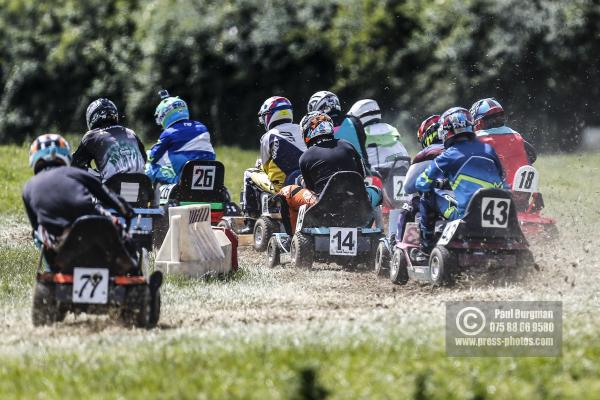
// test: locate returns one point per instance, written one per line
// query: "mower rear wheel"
(399, 268)
(382, 260)
(46, 309)
(136, 310)
(273, 253)
(302, 251)
(442, 264)
(263, 230)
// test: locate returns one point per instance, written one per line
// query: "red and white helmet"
(483, 109)
(275, 109)
(454, 122)
(428, 131)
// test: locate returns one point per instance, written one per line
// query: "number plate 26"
(343, 241)
(203, 177)
(494, 212)
(90, 285)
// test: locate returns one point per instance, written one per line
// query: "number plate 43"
(90, 285)
(343, 241)
(494, 212)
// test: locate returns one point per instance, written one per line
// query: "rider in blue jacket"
(182, 140)
(466, 164)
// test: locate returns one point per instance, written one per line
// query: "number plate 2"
(343, 241)
(494, 212)
(90, 285)
(203, 177)
(399, 188)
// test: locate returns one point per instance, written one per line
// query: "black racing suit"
(55, 197)
(326, 157)
(115, 150)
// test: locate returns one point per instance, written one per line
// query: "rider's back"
(469, 165)
(325, 158)
(58, 196)
(280, 151)
(509, 146)
(115, 149)
(382, 144)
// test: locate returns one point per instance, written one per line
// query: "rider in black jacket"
(114, 148)
(59, 194)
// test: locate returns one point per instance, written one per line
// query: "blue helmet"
(170, 110)
(49, 149)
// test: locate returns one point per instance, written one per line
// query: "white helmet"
(366, 110)
(324, 101)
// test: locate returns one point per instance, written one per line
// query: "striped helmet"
(326, 102)
(171, 110)
(49, 149)
(367, 111)
(428, 131)
(484, 109)
(275, 109)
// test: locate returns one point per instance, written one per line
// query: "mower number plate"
(203, 177)
(343, 241)
(494, 212)
(399, 194)
(90, 285)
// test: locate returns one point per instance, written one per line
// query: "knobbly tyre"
(96, 271)
(202, 182)
(260, 219)
(487, 236)
(338, 228)
(529, 204)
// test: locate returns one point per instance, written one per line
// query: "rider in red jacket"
(512, 150)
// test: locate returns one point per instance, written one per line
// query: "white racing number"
(526, 179)
(494, 212)
(203, 177)
(343, 241)
(300, 219)
(90, 285)
(264, 201)
(448, 233)
(399, 187)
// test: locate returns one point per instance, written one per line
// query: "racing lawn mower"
(529, 204)
(95, 271)
(201, 182)
(489, 235)
(136, 189)
(260, 214)
(335, 229)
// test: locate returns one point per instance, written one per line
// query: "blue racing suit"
(351, 130)
(181, 142)
(468, 165)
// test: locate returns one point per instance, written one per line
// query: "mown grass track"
(283, 333)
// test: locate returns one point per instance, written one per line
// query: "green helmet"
(170, 110)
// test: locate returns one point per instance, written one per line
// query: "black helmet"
(101, 113)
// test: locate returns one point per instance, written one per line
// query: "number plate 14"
(90, 285)
(343, 241)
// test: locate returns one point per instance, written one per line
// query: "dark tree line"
(224, 58)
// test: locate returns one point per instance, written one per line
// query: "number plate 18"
(343, 241)
(90, 285)
(494, 212)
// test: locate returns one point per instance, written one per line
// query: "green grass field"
(305, 334)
